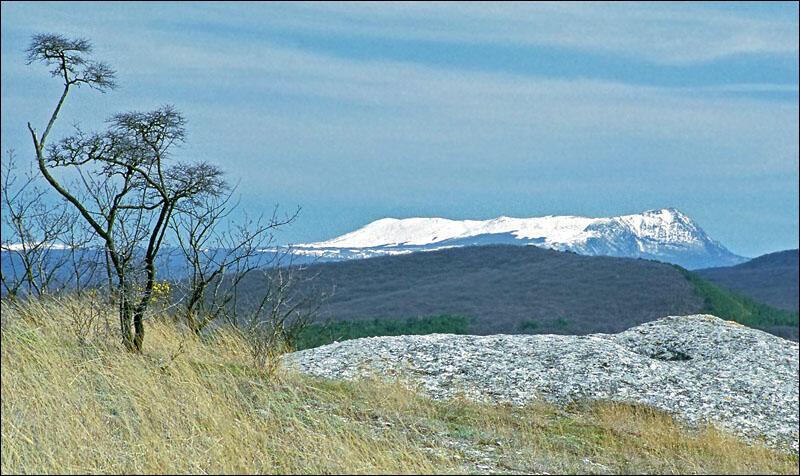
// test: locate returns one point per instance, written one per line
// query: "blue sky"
(357, 112)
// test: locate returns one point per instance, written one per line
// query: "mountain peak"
(666, 233)
(666, 214)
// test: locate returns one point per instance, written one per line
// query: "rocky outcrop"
(699, 368)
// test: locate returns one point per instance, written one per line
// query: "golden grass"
(81, 404)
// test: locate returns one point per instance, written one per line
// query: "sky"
(356, 112)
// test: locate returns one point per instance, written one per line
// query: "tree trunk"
(138, 327)
(125, 323)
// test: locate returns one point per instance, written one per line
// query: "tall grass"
(80, 404)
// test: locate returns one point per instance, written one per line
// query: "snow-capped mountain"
(665, 235)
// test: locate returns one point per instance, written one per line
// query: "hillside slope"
(197, 406)
(512, 289)
(771, 279)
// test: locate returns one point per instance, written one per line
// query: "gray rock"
(699, 368)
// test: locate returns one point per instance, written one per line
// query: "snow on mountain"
(427, 231)
(24, 246)
(666, 225)
(665, 235)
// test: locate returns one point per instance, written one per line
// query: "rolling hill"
(771, 279)
(526, 289)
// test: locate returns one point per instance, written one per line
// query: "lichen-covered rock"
(699, 368)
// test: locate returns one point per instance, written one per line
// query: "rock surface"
(699, 368)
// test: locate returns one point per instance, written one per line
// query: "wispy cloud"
(655, 32)
(277, 88)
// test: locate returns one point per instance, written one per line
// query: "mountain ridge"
(665, 234)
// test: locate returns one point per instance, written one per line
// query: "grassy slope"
(70, 406)
(729, 305)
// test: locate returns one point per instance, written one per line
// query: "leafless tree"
(282, 313)
(220, 257)
(129, 185)
(34, 244)
(130, 196)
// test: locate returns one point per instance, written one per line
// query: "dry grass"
(80, 404)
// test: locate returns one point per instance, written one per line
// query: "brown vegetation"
(80, 404)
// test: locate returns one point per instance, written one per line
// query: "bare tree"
(134, 189)
(222, 260)
(220, 257)
(280, 316)
(67, 58)
(130, 193)
(130, 186)
(34, 242)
